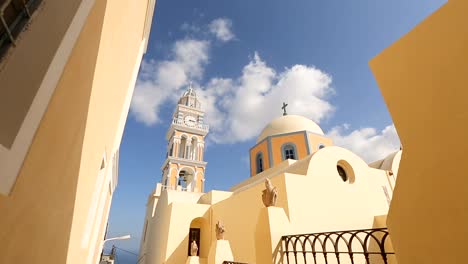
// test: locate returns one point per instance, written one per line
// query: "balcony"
(180, 122)
(369, 246)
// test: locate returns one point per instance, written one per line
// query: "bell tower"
(184, 168)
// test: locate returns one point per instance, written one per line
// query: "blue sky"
(245, 58)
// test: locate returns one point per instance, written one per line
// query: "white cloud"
(248, 103)
(163, 81)
(221, 28)
(368, 143)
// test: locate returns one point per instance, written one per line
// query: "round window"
(342, 173)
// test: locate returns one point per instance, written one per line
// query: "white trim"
(12, 160)
(93, 208)
(148, 22)
(128, 98)
(100, 213)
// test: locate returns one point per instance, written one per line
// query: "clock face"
(190, 121)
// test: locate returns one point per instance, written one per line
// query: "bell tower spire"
(184, 167)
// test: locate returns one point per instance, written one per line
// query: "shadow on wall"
(199, 231)
(179, 253)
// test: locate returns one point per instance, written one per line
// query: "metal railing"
(197, 125)
(176, 188)
(233, 262)
(367, 246)
(14, 15)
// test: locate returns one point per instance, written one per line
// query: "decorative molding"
(306, 134)
(271, 162)
(184, 162)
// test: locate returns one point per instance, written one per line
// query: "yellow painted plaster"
(261, 147)
(423, 79)
(297, 139)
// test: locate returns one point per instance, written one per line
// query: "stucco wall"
(117, 64)
(298, 140)
(45, 217)
(423, 80)
(260, 147)
(312, 197)
(38, 213)
(316, 140)
(23, 69)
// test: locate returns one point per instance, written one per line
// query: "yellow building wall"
(311, 198)
(173, 174)
(315, 140)
(47, 210)
(423, 79)
(263, 147)
(115, 70)
(297, 139)
(39, 211)
(317, 202)
(172, 221)
(240, 212)
(37, 44)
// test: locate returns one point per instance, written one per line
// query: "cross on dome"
(284, 108)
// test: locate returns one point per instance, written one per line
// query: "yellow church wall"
(301, 198)
(316, 140)
(173, 174)
(261, 147)
(240, 212)
(349, 205)
(200, 179)
(311, 198)
(298, 139)
(423, 79)
(175, 248)
(214, 196)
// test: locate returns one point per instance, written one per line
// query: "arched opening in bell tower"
(194, 148)
(187, 179)
(183, 146)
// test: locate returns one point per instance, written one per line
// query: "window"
(289, 151)
(342, 172)
(259, 162)
(321, 146)
(13, 18)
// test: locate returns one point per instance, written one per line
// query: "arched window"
(171, 151)
(289, 151)
(342, 172)
(183, 146)
(259, 162)
(194, 149)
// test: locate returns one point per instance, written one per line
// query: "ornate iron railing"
(233, 262)
(367, 246)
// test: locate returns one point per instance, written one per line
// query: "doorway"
(194, 234)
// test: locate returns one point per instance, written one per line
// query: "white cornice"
(192, 130)
(175, 160)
